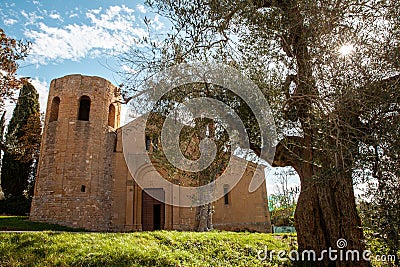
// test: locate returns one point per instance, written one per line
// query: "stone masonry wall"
(74, 179)
(83, 180)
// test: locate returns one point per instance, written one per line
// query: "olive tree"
(321, 65)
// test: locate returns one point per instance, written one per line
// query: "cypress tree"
(22, 142)
(2, 127)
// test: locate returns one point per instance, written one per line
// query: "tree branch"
(288, 151)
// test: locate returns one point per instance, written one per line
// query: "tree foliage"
(193, 131)
(330, 107)
(380, 207)
(11, 51)
(2, 128)
(282, 203)
(23, 143)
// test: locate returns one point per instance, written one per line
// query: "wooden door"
(153, 210)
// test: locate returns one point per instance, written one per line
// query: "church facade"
(83, 180)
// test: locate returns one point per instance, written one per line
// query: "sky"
(69, 37)
(79, 37)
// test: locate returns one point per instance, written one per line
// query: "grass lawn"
(159, 248)
(22, 223)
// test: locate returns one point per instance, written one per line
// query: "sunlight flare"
(346, 49)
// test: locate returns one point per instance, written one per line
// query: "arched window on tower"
(55, 106)
(111, 116)
(84, 108)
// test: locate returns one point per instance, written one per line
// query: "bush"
(16, 205)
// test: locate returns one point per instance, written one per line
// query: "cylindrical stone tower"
(74, 180)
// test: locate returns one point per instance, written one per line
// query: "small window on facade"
(111, 116)
(84, 108)
(83, 188)
(55, 106)
(148, 142)
(226, 194)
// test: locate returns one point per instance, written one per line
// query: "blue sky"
(82, 37)
(70, 37)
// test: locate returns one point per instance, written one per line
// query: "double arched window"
(84, 108)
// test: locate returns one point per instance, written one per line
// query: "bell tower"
(74, 180)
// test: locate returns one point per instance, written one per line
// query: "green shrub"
(16, 205)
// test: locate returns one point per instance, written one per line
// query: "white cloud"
(114, 18)
(31, 17)
(96, 11)
(72, 42)
(10, 21)
(55, 15)
(124, 112)
(10, 5)
(141, 8)
(109, 31)
(8, 108)
(23, 13)
(74, 15)
(156, 23)
(42, 87)
(128, 69)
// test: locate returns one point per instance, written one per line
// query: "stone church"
(83, 180)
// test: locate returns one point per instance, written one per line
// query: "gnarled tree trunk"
(326, 215)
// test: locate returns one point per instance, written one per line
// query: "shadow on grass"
(22, 223)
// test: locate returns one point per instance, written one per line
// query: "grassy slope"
(21, 223)
(160, 248)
